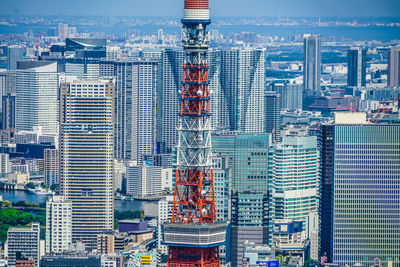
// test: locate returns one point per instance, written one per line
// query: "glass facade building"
(366, 196)
(294, 179)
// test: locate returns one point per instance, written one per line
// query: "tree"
(6, 203)
(54, 187)
(308, 262)
(30, 185)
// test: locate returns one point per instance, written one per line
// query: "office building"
(23, 240)
(326, 167)
(366, 186)
(58, 224)
(4, 163)
(247, 156)
(8, 112)
(74, 260)
(144, 109)
(294, 183)
(86, 156)
(95, 47)
(37, 96)
(143, 180)
(289, 240)
(51, 169)
(87, 55)
(295, 177)
(312, 62)
(222, 186)
(3, 84)
(244, 160)
(14, 54)
(249, 223)
(254, 255)
(272, 115)
(291, 95)
(356, 67)
(394, 67)
(105, 244)
(164, 215)
(86, 69)
(241, 101)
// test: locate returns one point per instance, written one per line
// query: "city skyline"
(291, 8)
(163, 133)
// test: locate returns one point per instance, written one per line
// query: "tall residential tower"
(86, 156)
(312, 62)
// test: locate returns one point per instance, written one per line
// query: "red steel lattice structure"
(194, 235)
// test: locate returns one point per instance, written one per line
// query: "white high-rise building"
(241, 102)
(4, 163)
(164, 215)
(144, 108)
(58, 224)
(86, 156)
(295, 181)
(143, 180)
(37, 96)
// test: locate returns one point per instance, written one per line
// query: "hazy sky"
(315, 8)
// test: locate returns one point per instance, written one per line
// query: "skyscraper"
(137, 106)
(122, 70)
(58, 224)
(8, 112)
(14, 54)
(247, 157)
(312, 62)
(294, 181)
(272, 114)
(37, 96)
(144, 109)
(172, 73)
(394, 67)
(86, 156)
(366, 192)
(242, 90)
(356, 67)
(326, 167)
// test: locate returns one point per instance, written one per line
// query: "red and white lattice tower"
(193, 235)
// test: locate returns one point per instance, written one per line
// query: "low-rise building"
(24, 240)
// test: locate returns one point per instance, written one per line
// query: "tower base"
(193, 257)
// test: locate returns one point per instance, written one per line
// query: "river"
(120, 205)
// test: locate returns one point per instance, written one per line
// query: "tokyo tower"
(194, 234)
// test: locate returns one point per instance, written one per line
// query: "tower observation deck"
(194, 234)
